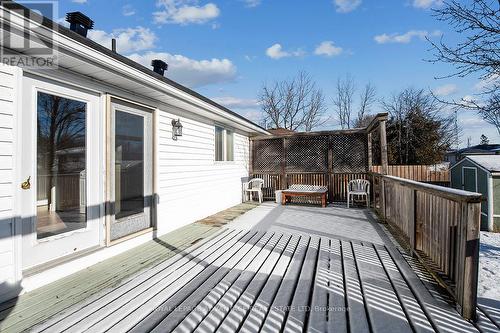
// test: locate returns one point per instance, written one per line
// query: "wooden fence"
(441, 227)
(420, 173)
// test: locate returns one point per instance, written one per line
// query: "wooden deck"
(265, 278)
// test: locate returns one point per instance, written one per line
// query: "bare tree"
(343, 100)
(367, 97)
(478, 21)
(293, 104)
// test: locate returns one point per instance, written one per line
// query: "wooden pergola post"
(370, 153)
(383, 146)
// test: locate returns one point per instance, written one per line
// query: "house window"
(224, 144)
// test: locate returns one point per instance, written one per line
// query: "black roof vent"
(79, 23)
(159, 66)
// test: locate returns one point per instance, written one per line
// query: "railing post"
(416, 227)
(469, 255)
(382, 197)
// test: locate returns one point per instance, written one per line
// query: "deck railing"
(441, 227)
(335, 182)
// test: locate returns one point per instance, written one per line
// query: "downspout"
(490, 202)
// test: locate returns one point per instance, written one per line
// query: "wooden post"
(369, 146)
(250, 158)
(413, 220)
(383, 147)
(330, 170)
(382, 197)
(471, 260)
(284, 182)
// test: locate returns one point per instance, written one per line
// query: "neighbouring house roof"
(478, 149)
(122, 60)
(488, 162)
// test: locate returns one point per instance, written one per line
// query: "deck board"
(201, 303)
(266, 280)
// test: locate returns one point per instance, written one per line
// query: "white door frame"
(114, 104)
(39, 251)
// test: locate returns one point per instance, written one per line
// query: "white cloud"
(252, 3)
(128, 10)
(276, 52)
(424, 4)
(406, 37)
(250, 58)
(445, 90)
(190, 72)
(238, 103)
(185, 12)
(252, 115)
(488, 83)
(79, 1)
(127, 40)
(346, 6)
(327, 48)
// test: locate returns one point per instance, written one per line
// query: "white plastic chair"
(358, 187)
(254, 186)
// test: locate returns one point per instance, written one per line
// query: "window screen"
(219, 143)
(229, 146)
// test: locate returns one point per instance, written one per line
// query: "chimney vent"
(79, 23)
(159, 66)
(113, 45)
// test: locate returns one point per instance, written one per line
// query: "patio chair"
(254, 186)
(358, 187)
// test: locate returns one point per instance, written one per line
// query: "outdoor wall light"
(176, 128)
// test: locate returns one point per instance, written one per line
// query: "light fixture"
(176, 128)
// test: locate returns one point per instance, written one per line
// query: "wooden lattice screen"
(350, 153)
(327, 159)
(306, 154)
(267, 155)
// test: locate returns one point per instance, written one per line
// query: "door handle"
(26, 185)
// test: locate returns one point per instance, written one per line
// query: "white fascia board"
(75, 48)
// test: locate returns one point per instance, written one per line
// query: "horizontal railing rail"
(441, 226)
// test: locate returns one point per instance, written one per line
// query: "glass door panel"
(132, 170)
(61, 160)
(129, 164)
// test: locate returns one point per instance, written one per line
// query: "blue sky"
(226, 49)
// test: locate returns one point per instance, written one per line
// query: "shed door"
(469, 179)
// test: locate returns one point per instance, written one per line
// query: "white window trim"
(224, 145)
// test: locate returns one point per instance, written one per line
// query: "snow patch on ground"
(489, 266)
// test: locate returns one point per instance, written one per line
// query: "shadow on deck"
(274, 268)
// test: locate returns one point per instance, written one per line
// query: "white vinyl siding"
(190, 185)
(8, 269)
